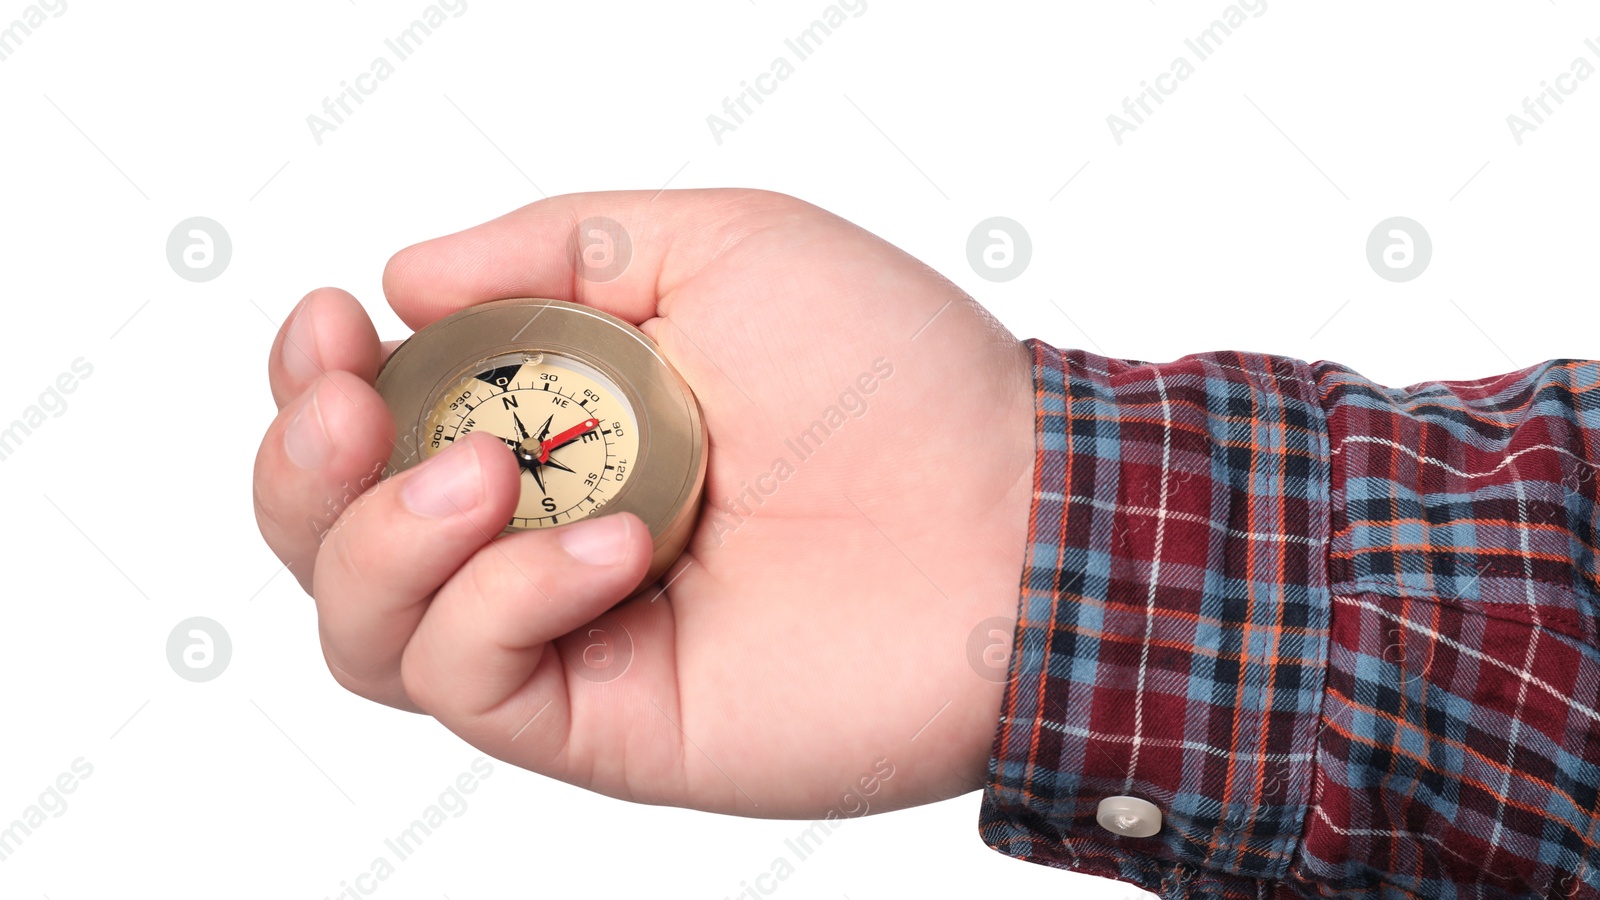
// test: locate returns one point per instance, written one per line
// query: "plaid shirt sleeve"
(1343, 637)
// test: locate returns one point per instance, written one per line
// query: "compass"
(596, 417)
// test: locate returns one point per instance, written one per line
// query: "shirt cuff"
(1172, 630)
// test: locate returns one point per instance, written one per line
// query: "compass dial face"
(572, 430)
(596, 417)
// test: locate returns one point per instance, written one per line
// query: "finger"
(541, 251)
(485, 639)
(395, 546)
(328, 331)
(321, 452)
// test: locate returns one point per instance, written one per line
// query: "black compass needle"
(522, 432)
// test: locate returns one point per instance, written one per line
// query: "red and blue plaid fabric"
(1343, 636)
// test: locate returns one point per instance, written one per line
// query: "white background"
(1237, 216)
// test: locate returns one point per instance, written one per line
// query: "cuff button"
(1129, 816)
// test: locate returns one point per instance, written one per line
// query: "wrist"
(991, 640)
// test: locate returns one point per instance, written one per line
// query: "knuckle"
(498, 584)
(345, 560)
(344, 679)
(265, 504)
(768, 199)
(362, 687)
(485, 584)
(417, 686)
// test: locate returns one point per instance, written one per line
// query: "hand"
(814, 634)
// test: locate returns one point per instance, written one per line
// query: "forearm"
(1244, 573)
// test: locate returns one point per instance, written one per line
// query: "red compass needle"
(566, 437)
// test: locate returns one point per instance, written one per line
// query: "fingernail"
(306, 439)
(596, 542)
(299, 352)
(449, 483)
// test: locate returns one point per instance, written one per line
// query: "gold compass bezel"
(668, 474)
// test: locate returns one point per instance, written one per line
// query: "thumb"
(482, 655)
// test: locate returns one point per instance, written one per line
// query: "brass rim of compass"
(671, 465)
